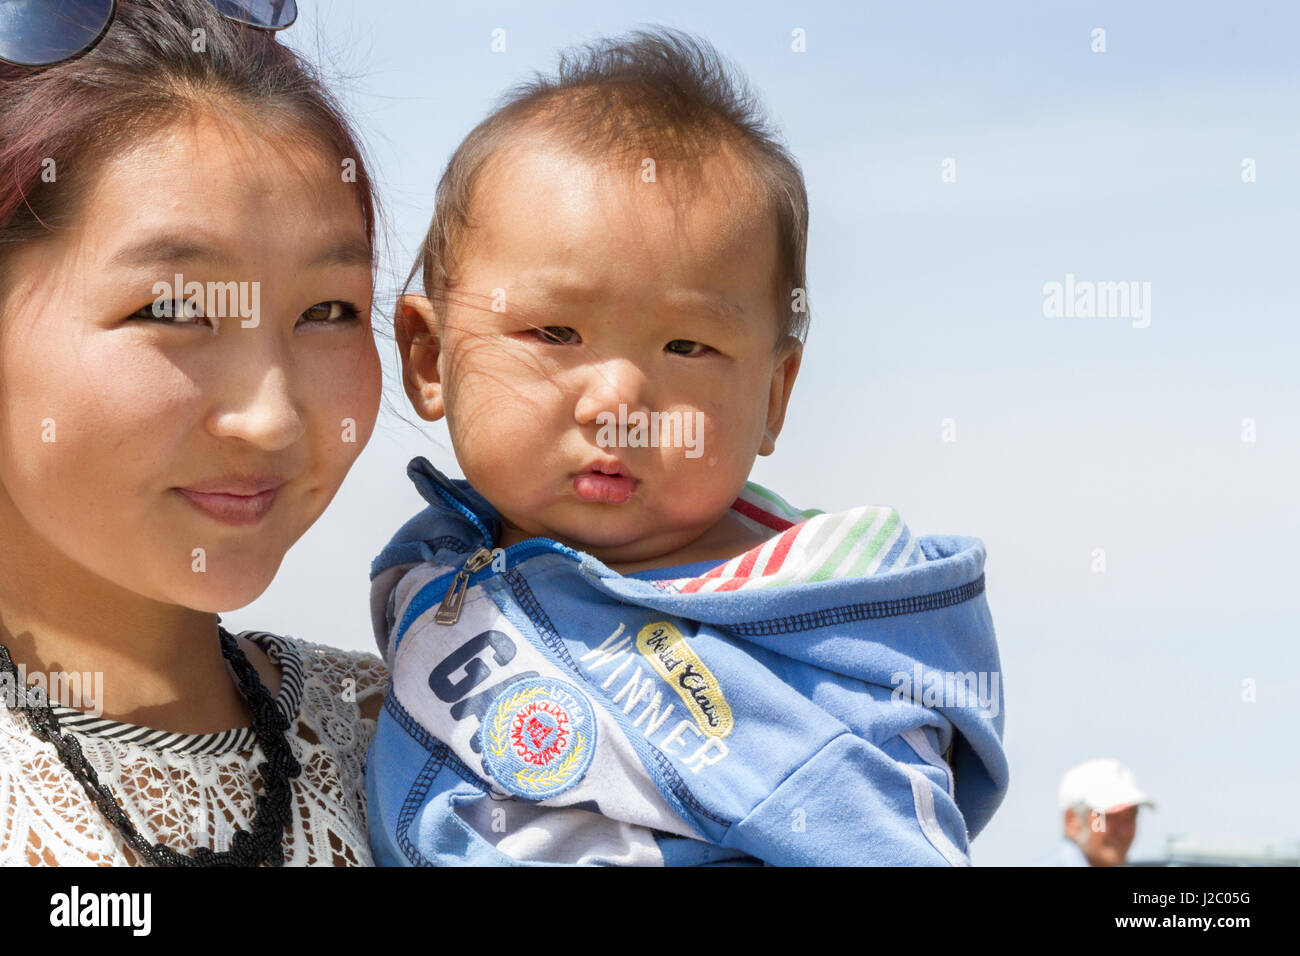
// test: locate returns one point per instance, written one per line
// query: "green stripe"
(877, 542)
(783, 507)
(809, 540)
(851, 537)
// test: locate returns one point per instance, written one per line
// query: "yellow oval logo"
(666, 649)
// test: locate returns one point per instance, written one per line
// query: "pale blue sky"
(927, 304)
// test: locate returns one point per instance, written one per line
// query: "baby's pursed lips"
(607, 466)
(600, 487)
(606, 480)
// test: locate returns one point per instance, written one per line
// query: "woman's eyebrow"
(164, 250)
(169, 250)
(351, 251)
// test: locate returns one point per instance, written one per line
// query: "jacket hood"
(854, 593)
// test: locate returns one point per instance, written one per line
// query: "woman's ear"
(419, 345)
(784, 371)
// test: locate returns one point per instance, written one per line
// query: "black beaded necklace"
(263, 844)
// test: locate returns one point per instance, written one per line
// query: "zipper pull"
(449, 610)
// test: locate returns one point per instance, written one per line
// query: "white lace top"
(190, 790)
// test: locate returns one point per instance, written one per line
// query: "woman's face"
(179, 456)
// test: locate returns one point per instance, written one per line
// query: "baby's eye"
(172, 312)
(685, 347)
(558, 335)
(332, 311)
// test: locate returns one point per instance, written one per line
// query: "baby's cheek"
(717, 442)
(707, 483)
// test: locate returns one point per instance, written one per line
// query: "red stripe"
(748, 561)
(697, 583)
(746, 566)
(754, 513)
(742, 570)
(781, 550)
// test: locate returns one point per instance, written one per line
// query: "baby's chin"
(630, 533)
(628, 547)
(612, 547)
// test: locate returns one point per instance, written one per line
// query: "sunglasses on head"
(45, 32)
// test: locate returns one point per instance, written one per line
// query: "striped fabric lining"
(239, 740)
(807, 546)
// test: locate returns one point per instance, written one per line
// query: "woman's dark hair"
(160, 61)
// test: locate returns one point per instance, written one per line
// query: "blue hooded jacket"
(546, 709)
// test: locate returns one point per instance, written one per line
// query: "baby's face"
(586, 296)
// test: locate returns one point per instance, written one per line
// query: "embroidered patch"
(538, 737)
(665, 647)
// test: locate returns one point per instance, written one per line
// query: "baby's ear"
(418, 344)
(784, 370)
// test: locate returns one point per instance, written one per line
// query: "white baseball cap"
(1102, 784)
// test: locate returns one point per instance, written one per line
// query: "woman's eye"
(685, 347)
(173, 312)
(334, 311)
(559, 335)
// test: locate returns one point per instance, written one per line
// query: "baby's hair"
(142, 76)
(656, 93)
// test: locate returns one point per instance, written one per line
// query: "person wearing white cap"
(1100, 800)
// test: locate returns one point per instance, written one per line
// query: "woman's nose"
(260, 409)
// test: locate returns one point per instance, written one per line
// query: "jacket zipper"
(448, 612)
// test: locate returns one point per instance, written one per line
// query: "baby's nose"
(603, 397)
(613, 385)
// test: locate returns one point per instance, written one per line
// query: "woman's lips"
(610, 489)
(232, 509)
